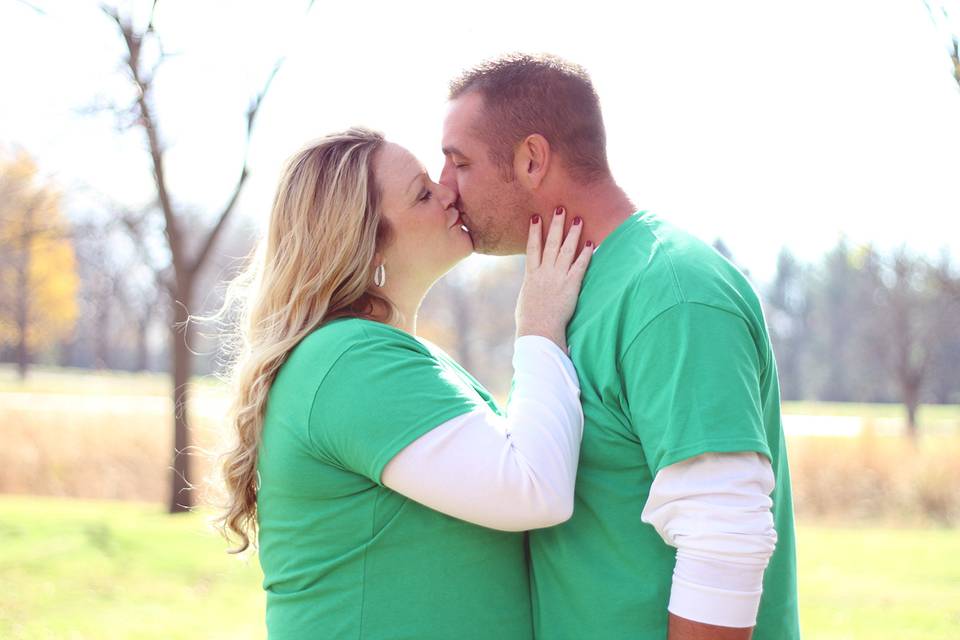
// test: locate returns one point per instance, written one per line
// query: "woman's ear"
(532, 160)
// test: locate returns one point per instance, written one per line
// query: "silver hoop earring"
(380, 276)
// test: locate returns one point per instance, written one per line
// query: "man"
(683, 523)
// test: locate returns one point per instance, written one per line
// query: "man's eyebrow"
(452, 150)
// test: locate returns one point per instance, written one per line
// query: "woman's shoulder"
(354, 337)
(345, 343)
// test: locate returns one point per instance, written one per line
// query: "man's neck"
(603, 206)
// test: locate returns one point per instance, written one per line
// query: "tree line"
(858, 325)
(115, 287)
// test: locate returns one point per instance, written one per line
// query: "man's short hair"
(526, 94)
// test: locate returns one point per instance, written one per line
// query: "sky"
(766, 124)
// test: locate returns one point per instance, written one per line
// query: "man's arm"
(683, 629)
(715, 509)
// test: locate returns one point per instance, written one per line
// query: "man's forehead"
(458, 126)
(467, 102)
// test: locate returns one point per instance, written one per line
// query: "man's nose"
(449, 179)
(448, 196)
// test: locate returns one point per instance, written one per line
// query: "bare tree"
(180, 280)
(122, 296)
(942, 20)
(909, 317)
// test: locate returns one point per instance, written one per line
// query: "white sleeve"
(514, 473)
(715, 509)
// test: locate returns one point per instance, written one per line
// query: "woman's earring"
(380, 276)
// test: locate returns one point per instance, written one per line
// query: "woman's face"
(426, 237)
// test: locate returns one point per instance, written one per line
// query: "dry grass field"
(108, 436)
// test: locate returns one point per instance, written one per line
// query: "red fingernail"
(577, 220)
(536, 219)
(589, 243)
(559, 211)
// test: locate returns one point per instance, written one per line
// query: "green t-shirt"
(345, 557)
(674, 360)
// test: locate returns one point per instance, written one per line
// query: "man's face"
(495, 210)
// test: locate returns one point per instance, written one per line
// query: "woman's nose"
(448, 196)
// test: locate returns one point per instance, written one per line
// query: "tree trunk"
(23, 295)
(103, 343)
(143, 347)
(23, 350)
(911, 400)
(66, 352)
(181, 496)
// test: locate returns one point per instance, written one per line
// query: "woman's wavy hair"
(316, 263)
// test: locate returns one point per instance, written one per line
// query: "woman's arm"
(518, 472)
(514, 473)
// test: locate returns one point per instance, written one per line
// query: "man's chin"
(495, 250)
(493, 244)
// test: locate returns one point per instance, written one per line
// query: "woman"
(357, 441)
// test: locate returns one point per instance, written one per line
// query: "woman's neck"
(407, 298)
(407, 320)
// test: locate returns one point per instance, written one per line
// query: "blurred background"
(814, 143)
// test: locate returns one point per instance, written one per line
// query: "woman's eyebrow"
(415, 178)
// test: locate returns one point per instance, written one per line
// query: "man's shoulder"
(681, 249)
(700, 272)
(658, 266)
(648, 245)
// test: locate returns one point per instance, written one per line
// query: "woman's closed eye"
(425, 195)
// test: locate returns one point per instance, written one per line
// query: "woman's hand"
(552, 279)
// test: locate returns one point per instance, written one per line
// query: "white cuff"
(716, 510)
(710, 605)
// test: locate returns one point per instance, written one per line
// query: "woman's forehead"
(398, 163)
(397, 169)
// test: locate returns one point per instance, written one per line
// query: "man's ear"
(532, 160)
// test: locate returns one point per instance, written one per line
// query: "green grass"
(879, 584)
(80, 569)
(104, 570)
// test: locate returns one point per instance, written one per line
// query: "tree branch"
(252, 112)
(153, 12)
(134, 228)
(955, 56)
(34, 7)
(133, 41)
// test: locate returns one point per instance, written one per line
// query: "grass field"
(886, 567)
(106, 570)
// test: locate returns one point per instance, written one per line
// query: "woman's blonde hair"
(316, 263)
